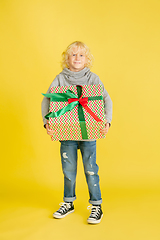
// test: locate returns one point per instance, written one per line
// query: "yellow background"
(124, 37)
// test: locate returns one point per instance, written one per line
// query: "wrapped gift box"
(76, 112)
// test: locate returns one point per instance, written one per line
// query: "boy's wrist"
(108, 123)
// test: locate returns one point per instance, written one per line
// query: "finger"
(48, 127)
(50, 132)
(104, 131)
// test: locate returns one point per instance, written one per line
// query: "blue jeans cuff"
(69, 199)
(95, 202)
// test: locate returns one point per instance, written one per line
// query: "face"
(77, 59)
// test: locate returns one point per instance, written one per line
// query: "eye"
(74, 55)
(81, 55)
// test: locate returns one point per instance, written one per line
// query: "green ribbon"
(81, 116)
(63, 97)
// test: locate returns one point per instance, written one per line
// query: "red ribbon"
(84, 102)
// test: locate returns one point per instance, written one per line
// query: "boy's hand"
(49, 131)
(105, 130)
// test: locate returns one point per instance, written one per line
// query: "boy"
(76, 64)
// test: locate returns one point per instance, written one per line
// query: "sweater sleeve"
(107, 106)
(46, 101)
(106, 99)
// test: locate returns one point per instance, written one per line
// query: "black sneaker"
(64, 210)
(96, 214)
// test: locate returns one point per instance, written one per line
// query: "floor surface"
(129, 214)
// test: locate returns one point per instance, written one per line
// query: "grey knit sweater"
(83, 77)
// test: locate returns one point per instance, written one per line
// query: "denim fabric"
(69, 166)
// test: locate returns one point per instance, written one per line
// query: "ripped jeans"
(69, 166)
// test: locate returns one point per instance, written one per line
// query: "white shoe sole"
(93, 221)
(56, 215)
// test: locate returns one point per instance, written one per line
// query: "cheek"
(85, 61)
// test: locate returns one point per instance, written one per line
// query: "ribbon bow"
(82, 101)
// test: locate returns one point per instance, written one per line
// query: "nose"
(77, 57)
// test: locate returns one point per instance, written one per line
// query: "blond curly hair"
(67, 52)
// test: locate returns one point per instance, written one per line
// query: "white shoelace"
(95, 210)
(64, 206)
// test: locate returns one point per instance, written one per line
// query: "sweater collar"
(74, 75)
